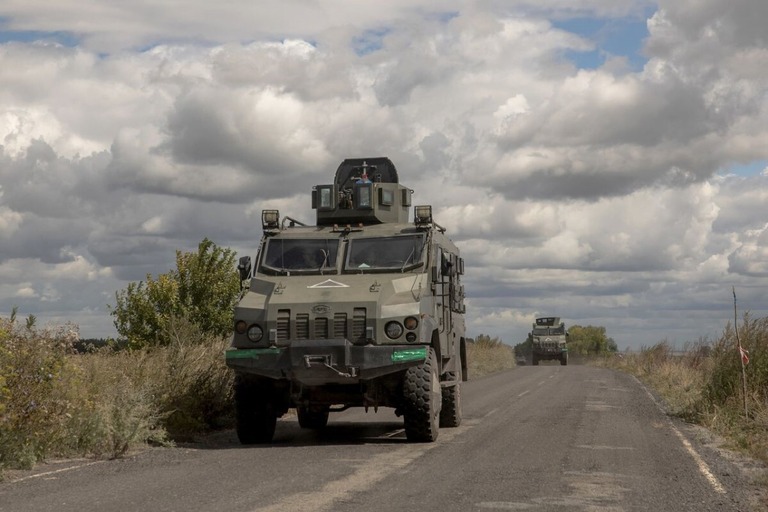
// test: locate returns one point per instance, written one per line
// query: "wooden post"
(741, 355)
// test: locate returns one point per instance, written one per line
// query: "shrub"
(202, 289)
(39, 391)
(56, 402)
(191, 382)
(704, 384)
(486, 355)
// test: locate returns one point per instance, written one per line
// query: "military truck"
(548, 339)
(364, 309)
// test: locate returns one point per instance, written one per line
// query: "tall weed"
(191, 382)
(38, 391)
(704, 384)
(488, 355)
(56, 402)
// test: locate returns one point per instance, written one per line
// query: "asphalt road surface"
(559, 438)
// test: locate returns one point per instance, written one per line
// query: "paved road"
(543, 438)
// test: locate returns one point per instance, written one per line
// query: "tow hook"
(325, 360)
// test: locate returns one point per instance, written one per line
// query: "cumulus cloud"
(600, 194)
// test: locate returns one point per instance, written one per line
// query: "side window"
(447, 265)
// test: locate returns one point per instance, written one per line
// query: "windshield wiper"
(405, 263)
(325, 260)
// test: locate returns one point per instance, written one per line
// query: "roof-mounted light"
(270, 219)
(422, 215)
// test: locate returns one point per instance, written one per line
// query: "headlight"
(411, 323)
(255, 333)
(240, 327)
(393, 330)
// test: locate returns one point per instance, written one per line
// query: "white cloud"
(9, 222)
(26, 292)
(589, 194)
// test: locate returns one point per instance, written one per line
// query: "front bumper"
(550, 350)
(325, 361)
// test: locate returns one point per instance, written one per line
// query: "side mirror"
(244, 268)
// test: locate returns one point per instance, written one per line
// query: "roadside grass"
(488, 355)
(703, 385)
(55, 402)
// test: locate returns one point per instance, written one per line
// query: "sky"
(601, 161)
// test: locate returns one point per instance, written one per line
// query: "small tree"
(525, 348)
(590, 340)
(203, 290)
(485, 341)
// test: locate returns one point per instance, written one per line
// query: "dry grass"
(55, 402)
(486, 356)
(704, 384)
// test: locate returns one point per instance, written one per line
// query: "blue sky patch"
(370, 41)
(621, 37)
(754, 168)
(64, 38)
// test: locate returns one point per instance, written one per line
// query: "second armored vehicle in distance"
(548, 339)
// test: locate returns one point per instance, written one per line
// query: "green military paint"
(411, 354)
(250, 352)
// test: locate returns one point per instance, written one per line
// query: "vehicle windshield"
(548, 331)
(390, 253)
(301, 254)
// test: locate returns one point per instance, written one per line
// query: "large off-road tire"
(422, 400)
(450, 414)
(535, 360)
(312, 417)
(564, 359)
(254, 411)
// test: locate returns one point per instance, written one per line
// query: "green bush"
(202, 289)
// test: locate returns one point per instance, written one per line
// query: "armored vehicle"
(364, 309)
(548, 340)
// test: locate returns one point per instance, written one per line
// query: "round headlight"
(393, 330)
(411, 323)
(255, 333)
(240, 327)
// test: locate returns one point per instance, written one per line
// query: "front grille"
(283, 324)
(358, 324)
(550, 344)
(301, 327)
(340, 325)
(321, 328)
